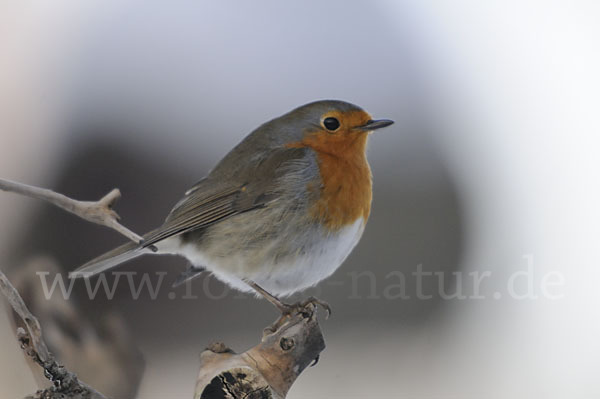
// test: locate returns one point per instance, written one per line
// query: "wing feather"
(194, 215)
(215, 198)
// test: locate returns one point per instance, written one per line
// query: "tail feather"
(109, 260)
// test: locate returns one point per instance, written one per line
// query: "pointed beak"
(375, 124)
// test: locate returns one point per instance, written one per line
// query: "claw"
(315, 361)
(306, 308)
(317, 302)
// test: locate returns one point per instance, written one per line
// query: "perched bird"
(279, 213)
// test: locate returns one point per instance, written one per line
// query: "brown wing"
(195, 213)
(218, 197)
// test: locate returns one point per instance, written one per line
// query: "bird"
(279, 213)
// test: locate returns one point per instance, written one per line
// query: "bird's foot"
(306, 308)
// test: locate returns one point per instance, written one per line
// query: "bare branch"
(66, 384)
(99, 212)
(31, 322)
(267, 370)
(83, 341)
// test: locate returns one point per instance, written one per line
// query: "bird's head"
(332, 127)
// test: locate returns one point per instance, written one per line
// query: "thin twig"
(66, 384)
(99, 212)
(31, 322)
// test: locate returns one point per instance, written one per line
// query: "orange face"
(340, 134)
(340, 145)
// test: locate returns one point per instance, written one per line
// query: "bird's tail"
(110, 259)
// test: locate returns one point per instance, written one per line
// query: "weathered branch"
(99, 212)
(66, 384)
(267, 370)
(31, 323)
(83, 341)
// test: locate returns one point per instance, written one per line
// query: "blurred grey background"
(491, 162)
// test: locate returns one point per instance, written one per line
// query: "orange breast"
(345, 194)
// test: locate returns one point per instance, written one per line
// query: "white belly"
(320, 256)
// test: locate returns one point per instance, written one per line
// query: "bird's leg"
(306, 306)
(283, 308)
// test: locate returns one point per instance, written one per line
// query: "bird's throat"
(345, 193)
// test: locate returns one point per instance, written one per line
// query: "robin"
(279, 213)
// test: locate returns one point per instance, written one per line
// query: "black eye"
(331, 123)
